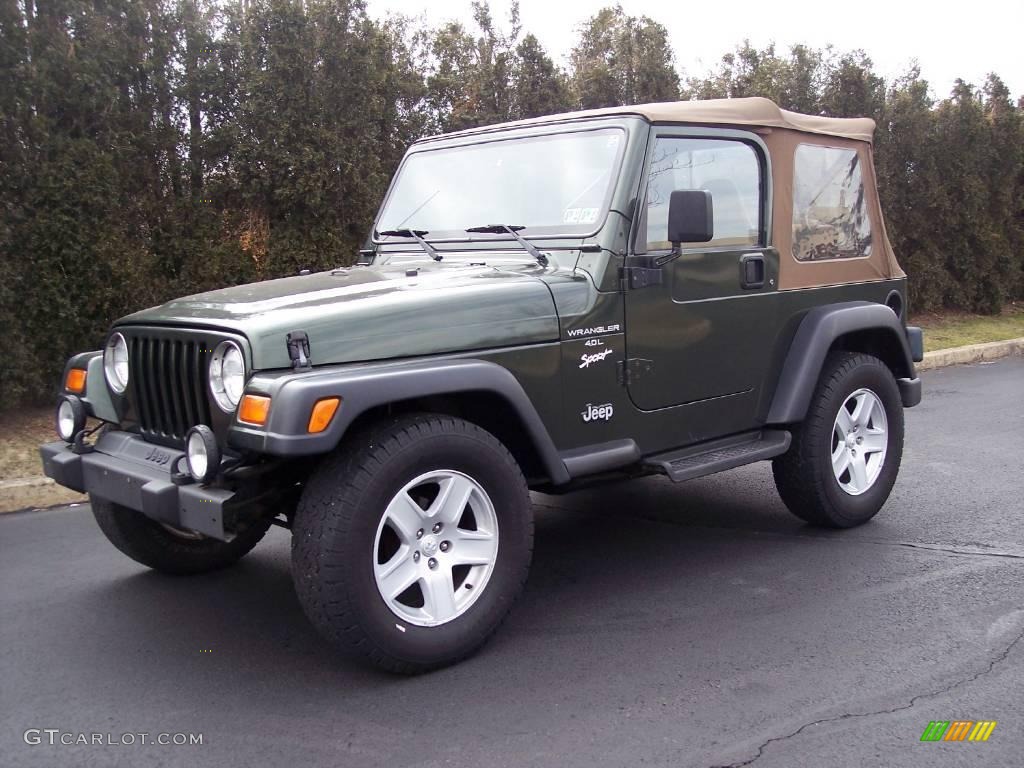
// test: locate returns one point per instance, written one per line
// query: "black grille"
(168, 382)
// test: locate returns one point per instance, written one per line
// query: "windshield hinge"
(298, 350)
(634, 368)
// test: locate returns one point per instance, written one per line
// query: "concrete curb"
(35, 493)
(972, 353)
(26, 482)
(940, 358)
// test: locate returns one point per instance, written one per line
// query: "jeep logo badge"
(157, 456)
(596, 412)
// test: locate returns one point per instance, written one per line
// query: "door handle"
(752, 271)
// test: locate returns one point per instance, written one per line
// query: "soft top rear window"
(830, 212)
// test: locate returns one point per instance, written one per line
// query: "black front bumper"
(125, 469)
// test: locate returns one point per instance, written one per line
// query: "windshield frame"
(534, 132)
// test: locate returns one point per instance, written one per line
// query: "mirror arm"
(675, 253)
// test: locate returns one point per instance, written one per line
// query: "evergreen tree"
(623, 59)
(153, 148)
(745, 72)
(1004, 174)
(852, 89)
(539, 88)
(909, 177)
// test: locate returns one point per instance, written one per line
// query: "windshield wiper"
(512, 229)
(417, 235)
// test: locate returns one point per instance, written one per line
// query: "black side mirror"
(690, 217)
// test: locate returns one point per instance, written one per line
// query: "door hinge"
(639, 276)
(634, 368)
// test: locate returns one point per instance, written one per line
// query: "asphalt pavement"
(670, 625)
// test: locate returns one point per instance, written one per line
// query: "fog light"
(201, 453)
(70, 417)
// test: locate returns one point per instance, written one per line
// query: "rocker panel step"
(720, 455)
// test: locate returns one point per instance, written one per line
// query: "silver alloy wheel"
(435, 548)
(860, 439)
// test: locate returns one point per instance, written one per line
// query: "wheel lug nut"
(416, 556)
(445, 546)
(432, 563)
(419, 534)
(437, 528)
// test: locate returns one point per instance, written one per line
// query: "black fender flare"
(817, 332)
(365, 386)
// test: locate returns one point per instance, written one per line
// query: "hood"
(374, 312)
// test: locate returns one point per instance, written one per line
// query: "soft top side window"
(830, 212)
(727, 168)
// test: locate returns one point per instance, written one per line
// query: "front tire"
(411, 543)
(845, 455)
(168, 549)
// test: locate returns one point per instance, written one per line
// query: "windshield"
(557, 184)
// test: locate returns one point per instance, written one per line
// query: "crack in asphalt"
(970, 552)
(950, 549)
(1000, 657)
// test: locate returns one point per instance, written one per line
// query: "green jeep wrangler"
(673, 289)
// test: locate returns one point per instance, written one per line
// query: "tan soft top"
(754, 111)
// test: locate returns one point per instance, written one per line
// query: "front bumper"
(125, 469)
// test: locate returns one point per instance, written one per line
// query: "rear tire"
(169, 550)
(383, 532)
(845, 455)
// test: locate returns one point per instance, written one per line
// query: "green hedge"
(159, 148)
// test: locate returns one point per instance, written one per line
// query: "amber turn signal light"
(254, 409)
(322, 413)
(75, 381)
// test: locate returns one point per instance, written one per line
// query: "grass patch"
(24, 431)
(957, 329)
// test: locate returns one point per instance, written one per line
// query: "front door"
(706, 328)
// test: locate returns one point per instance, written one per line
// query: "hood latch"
(298, 350)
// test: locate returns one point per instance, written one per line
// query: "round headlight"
(201, 453)
(227, 375)
(115, 363)
(70, 417)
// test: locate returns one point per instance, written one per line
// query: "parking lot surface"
(677, 625)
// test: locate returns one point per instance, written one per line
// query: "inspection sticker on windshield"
(580, 215)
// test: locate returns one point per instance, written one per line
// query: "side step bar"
(720, 455)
